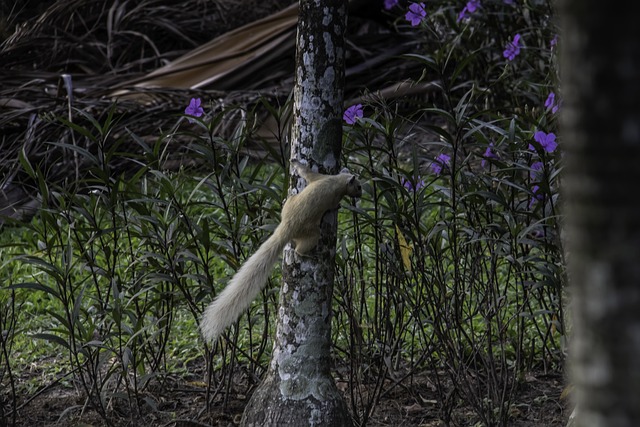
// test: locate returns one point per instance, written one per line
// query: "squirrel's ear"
(352, 180)
(345, 170)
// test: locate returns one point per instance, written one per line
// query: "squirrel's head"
(354, 189)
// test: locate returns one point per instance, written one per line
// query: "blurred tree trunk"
(298, 389)
(601, 132)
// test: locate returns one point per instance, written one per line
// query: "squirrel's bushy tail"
(243, 287)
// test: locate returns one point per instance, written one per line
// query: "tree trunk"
(298, 389)
(601, 133)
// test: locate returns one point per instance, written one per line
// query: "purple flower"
(194, 109)
(536, 169)
(550, 100)
(409, 184)
(546, 140)
(550, 103)
(513, 48)
(472, 6)
(537, 195)
(416, 13)
(352, 114)
(388, 4)
(488, 154)
(536, 192)
(462, 14)
(554, 41)
(440, 162)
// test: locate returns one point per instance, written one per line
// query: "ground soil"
(181, 402)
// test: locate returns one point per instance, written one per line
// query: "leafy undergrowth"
(450, 266)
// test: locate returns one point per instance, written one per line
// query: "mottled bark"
(298, 389)
(600, 54)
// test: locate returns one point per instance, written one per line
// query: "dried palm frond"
(82, 50)
(260, 55)
(231, 58)
(117, 36)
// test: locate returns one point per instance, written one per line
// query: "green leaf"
(53, 339)
(36, 287)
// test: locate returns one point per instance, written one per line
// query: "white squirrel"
(300, 222)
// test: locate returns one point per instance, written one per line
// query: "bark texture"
(298, 389)
(600, 54)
